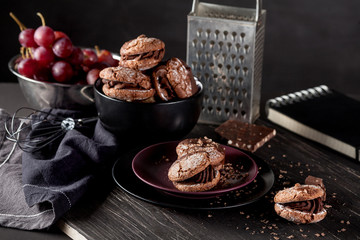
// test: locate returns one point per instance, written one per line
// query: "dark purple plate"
(151, 165)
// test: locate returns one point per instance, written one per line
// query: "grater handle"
(258, 10)
(194, 6)
(257, 15)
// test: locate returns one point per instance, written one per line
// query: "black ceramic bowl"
(148, 122)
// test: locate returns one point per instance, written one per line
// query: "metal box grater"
(225, 51)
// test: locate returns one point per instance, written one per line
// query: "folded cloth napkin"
(39, 187)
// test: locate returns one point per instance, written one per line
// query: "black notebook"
(322, 115)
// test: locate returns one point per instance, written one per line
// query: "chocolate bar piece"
(244, 135)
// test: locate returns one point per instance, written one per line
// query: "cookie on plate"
(193, 173)
(142, 53)
(301, 204)
(215, 151)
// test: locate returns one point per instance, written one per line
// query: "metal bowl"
(146, 122)
(41, 95)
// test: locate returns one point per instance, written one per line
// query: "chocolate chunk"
(244, 135)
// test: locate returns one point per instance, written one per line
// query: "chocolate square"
(244, 135)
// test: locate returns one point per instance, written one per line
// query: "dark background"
(307, 43)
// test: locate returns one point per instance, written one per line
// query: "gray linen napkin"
(36, 191)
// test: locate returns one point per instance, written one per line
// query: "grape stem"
(97, 49)
(22, 50)
(42, 18)
(20, 24)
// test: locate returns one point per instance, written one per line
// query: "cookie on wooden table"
(301, 204)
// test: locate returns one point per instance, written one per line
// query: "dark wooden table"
(107, 212)
(110, 213)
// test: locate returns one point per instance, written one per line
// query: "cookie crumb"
(317, 234)
(242, 213)
(347, 222)
(209, 215)
(304, 235)
(276, 238)
(247, 228)
(342, 221)
(281, 176)
(290, 237)
(323, 234)
(283, 171)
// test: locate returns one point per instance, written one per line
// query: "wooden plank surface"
(109, 213)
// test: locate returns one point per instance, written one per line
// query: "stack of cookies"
(198, 165)
(142, 77)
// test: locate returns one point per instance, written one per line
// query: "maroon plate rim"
(151, 168)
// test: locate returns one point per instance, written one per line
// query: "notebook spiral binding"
(298, 96)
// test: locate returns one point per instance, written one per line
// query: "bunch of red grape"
(49, 55)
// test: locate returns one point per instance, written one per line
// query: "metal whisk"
(34, 129)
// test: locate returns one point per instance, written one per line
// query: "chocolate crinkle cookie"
(301, 203)
(198, 165)
(142, 53)
(126, 84)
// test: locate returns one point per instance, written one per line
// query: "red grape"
(106, 56)
(44, 36)
(62, 71)
(62, 47)
(76, 58)
(44, 56)
(90, 57)
(26, 38)
(92, 76)
(27, 67)
(42, 74)
(59, 34)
